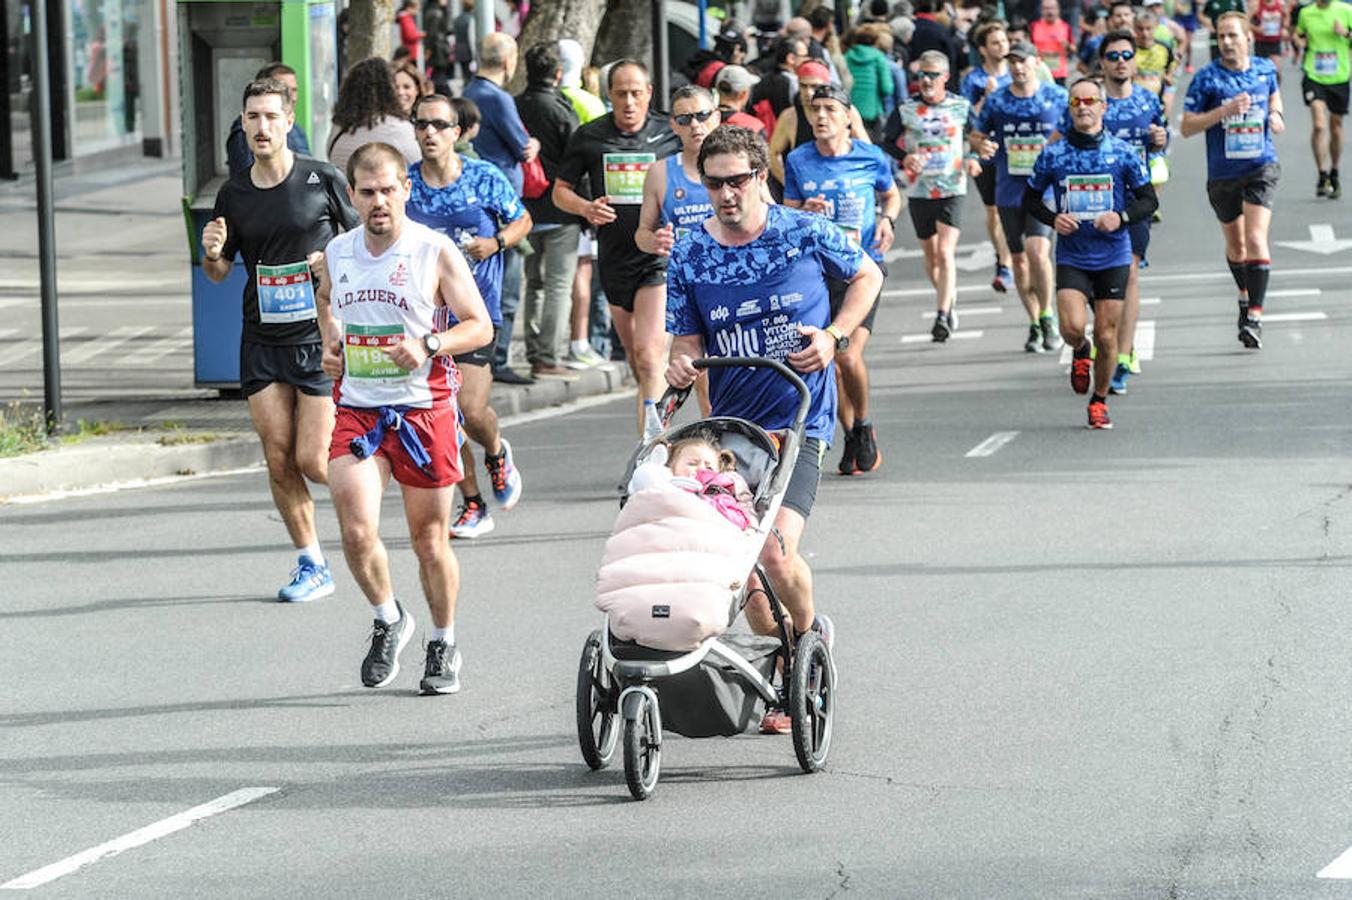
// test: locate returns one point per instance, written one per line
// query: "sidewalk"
(125, 318)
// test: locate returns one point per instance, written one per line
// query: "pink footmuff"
(672, 571)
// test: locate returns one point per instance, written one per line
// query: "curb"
(100, 462)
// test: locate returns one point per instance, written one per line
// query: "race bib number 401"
(1089, 196)
(624, 176)
(285, 293)
(364, 349)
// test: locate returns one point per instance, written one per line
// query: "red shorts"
(437, 428)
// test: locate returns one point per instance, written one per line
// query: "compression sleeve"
(1033, 206)
(1143, 204)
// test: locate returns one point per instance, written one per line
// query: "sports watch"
(842, 339)
(432, 344)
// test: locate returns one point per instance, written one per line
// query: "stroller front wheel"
(596, 710)
(812, 701)
(643, 747)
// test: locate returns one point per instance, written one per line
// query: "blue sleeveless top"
(686, 203)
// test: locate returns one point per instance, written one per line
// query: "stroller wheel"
(643, 747)
(596, 712)
(812, 701)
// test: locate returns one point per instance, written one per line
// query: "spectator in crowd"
(734, 84)
(586, 104)
(934, 33)
(503, 141)
(729, 50)
(777, 87)
(467, 114)
(237, 153)
(368, 110)
(1051, 36)
(437, 47)
(823, 22)
(871, 74)
(463, 28)
(410, 37)
(409, 85)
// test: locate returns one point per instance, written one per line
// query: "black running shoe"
(1034, 342)
(387, 641)
(1243, 314)
(941, 330)
(441, 670)
(848, 465)
(1335, 188)
(1251, 333)
(867, 455)
(1322, 188)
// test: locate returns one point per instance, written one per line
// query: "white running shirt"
(379, 301)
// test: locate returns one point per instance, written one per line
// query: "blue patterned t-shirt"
(1021, 126)
(1129, 118)
(1086, 182)
(476, 204)
(1241, 144)
(750, 300)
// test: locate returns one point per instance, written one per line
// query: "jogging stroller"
(720, 686)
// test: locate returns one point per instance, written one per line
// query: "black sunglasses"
(930, 76)
(438, 124)
(1119, 55)
(686, 118)
(736, 182)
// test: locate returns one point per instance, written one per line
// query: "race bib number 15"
(1089, 196)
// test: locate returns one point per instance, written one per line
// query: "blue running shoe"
(1120, 375)
(506, 479)
(309, 581)
(1003, 280)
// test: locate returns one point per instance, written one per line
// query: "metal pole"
(702, 9)
(42, 166)
(485, 23)
(661, 73)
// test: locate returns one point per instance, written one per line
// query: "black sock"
(1237, 272)
(862, 423)
(475, 499)
(1098, 398)
(1333, 174)
(1257, 272)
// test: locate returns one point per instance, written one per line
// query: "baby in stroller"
(698, 465)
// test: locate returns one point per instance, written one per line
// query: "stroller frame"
(612, 689)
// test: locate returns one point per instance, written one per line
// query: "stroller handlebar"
(674, 398)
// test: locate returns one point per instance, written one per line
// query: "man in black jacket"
(437, 50)
(932, 34)
(549, 117)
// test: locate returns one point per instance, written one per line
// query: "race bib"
(364, 356)
(938, 157)
(1053, 61)
(1243, 137)
(1022, 152)
(1089, 196)
(1326, 64)
(624, 176)
(285, 293)
(1271, 24)
(847, 211)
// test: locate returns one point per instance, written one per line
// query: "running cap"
(1022, 50)
(832, 92)
(814, 69)
(1154, 2)
(734, 80)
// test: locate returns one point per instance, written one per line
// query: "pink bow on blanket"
(720, 490)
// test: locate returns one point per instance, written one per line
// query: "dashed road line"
(101, 344)
(1339, 868)
(34, 345)
(955, 336)
(969, 311)
(1294, 317)
(178, 342)
(991, 445)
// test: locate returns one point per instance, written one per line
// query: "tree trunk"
(369, 34)
(626, 31)
(552, 20)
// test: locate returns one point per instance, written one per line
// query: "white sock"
(387, 612)
(313, 552)
(579, 347)
(446, 634)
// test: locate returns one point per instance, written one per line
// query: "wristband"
(502, 245)
(1123, 216)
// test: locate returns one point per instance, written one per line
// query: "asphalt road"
(1088, 665)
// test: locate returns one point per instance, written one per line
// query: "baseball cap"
(734, 79)
(814, 69)
(1022, 50)
(832, 92)
(730, 33)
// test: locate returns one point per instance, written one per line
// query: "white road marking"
(1339, 868)
(7, 332)
(991, 445)
(1151, 301)
(955, 336)
(1209, 276)
(1295, 317)
(1296, 292)
(154, 831)
(1321, 241)
(33, 344)
(178, 342)
(969, 311)
(929, 292)
(102, 344)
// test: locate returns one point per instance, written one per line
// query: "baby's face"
(693, 459)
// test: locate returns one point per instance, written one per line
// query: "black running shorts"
(926, 214)
(1019, 225)
(296, 364)
(1104, 284)
(481, 357)
(1334, 96)
(801, 493)
(1229, 195)
(835, 289)
(622, 284)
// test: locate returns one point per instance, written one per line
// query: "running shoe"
(942, 328)
(1003, 280)
(441, 669)
(1034, 342)
(953, 316)
(587, 358)
(1120, 375)
(1135, 364)
(1251, 333)
(309, 581)
(1098, 416)
(867, 456)
(1051, 336)
(1081, 367)
(387, 641)
(473, 521)
(1243, 311)
(848, 465)
(776, 721)
(506, 479)
(1322, 188)
(1335, 187)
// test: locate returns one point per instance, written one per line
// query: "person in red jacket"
(410, 36)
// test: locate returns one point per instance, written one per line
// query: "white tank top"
(379, 301)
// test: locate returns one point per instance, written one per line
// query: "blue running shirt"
(686, 203)
(750, 300)
(1021, 126)
(1241, 144)
(1085, 182)
(470, 207)
(848, 182)
(1129, 118)
(974, 84)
